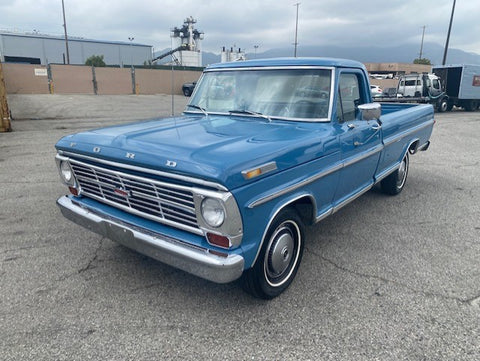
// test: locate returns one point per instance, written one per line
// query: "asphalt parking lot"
(386, 278)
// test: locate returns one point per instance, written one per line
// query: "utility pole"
(65, 28)
(448, 35)
(255, 47)
(172, 90)
(296, 32)
(421, 45)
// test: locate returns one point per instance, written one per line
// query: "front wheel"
(395, 182)
(442, 105)
(279, 258)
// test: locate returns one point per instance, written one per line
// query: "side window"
(348, 97)
(436, 84)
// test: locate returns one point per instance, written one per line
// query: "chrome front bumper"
(165, 249)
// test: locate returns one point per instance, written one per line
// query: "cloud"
(268, 23)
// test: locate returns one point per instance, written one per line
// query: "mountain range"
(395, 54)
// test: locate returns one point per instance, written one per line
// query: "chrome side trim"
(147, 170)
(351, 198)
(174, 252)
(293, 187)
(407, 133)
(316, 177)
(358, 158)
(387, 172)
(324, 215)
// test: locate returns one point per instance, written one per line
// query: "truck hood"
(214, 148)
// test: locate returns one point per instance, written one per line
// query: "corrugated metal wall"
(52, 50)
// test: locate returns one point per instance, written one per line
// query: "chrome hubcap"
(280, 254)
(402, 173)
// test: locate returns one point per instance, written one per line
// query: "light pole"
(448, 35)
(131, 51)
(65, 28)
(132, 70)
(255, 47)
(296, 32)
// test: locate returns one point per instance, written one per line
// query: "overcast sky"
(245, 23)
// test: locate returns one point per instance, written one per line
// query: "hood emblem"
(130, 155)
(97, 149)
(171, 163)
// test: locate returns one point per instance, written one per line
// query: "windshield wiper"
(199, 108)
(250, 112)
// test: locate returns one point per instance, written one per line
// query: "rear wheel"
(395, 182)
(471, 105)
(279, 258)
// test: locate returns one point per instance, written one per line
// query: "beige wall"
(113, 80)
(160, 81)
(384, 83)
(71, 79)
(397, 67)
(21, 79)
(75, 79)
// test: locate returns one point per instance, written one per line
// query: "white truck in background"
(447, 86)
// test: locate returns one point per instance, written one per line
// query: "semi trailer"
(461, 84)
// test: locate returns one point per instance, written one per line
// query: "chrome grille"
(167, 203)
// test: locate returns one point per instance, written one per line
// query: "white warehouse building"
(33, 48)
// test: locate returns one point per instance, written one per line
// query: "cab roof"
(281, 62)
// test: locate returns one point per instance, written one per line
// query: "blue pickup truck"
(263, 149)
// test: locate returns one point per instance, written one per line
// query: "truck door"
(360, 140)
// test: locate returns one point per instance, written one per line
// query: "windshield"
(298, 94)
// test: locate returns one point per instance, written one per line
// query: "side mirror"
(370, 111)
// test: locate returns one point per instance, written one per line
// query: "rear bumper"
(165, 249)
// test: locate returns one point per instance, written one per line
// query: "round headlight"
(213, 212)
(66, 172)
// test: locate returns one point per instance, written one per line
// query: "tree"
(423, 61)
(95, 60)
